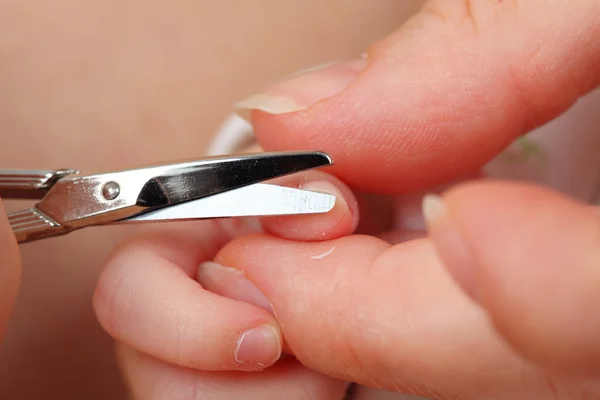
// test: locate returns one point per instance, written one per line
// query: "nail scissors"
(214, 187)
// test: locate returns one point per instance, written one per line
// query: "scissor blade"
(213, 176)
(250, 201)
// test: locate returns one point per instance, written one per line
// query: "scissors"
(214, 187)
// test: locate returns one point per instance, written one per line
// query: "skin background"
(103, 85)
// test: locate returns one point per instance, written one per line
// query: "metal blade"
(212, 176)
(82, 200)
(250, 201)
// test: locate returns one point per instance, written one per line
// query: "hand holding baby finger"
(153, 292)
(358, 309)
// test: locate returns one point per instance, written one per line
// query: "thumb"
(440, 97)
(533, 263)
(10, 270)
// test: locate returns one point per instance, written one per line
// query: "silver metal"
(111, 191)
(74, 201)
(258, 200)
(31, 223)
(34, 184)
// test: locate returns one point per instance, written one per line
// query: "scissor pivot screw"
(111, 190)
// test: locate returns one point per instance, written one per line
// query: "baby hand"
(187, 327)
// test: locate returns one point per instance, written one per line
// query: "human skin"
(20, 392)
(400, 322)
(104, 85)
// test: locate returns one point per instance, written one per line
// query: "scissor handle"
(30, 224)
(29, 184)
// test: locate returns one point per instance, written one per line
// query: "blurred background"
(106, 84)
(102, 85)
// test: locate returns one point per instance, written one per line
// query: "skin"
(398, 315)
(101, 86)
(405, 312)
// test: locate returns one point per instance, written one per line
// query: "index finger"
(440, 97)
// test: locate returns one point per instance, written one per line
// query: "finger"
(441, 96)
(341, 220)
(149, 295)
(408, 207)
(147, 299)
(10, 271)
(531, 257)
(150, 379)
(360, 310)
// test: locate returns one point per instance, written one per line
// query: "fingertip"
(259, 347)
(341, 220)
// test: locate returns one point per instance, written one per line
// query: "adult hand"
(435, 102)
(440, 97)
(10, 271)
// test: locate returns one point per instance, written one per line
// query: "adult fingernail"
(304, 89)
(434, 209)
(259, 346)
(231, 283)
(449, 243)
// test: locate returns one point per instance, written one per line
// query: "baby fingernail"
(434, 208)
(231, 283)
(260, 346)
(304, 89)
(326, 187)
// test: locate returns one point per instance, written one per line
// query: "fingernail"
(231, 283)
(449, 243)
(305, 89)
(326, 187)
(434, 209)
(408, 215)
(337, 222)
(260, 346)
